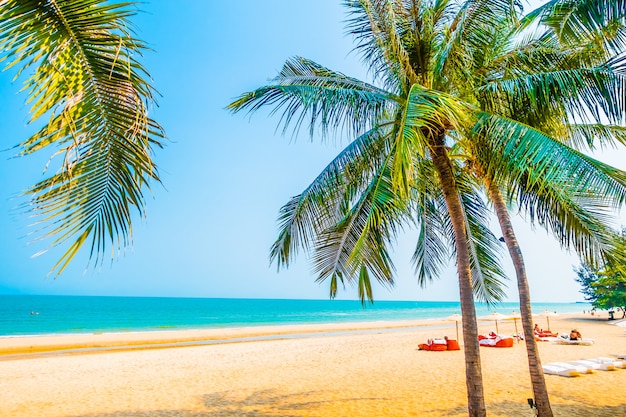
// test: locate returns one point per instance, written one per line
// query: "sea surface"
(22, 315)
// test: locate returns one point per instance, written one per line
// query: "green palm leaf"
(426, 112)
(486, 252)
(577, 220)
(329, 99)
(435, 242)
(588, 92)
(516, 151)
(560, 188)
(88, 83)
(432, 251)
(597, 22)
(318, 206)
(594, 136)
(379, 42)
(360, 239)
(476, 25)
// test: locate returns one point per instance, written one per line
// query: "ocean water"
(22, 315)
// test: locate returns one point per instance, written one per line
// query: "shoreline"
(15, 347)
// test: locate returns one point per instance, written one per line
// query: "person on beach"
(537, 330)
(575, 335)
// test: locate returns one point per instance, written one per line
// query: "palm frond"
(432, 250)
(595, 93)
(329, 99)
(564, 191)
(488, 276)
(368, 24)
(512, 150)
(88, 82)
(587, 22)
(361, 238)
(578, 221)
(476, 25)
(595, 136)
(318, 206)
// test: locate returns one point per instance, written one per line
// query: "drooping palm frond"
(595, 136)
(432, 249)
(86, 79)
(488, 275)
(356, 247)
(329, 99)
(512, 151)
(597, 22)
(538, 76)
(317, 207)
(590, 93)
(564, 191)
(577, 220)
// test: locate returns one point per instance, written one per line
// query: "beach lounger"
(567, 341)
(618, 364)
(594, 365)
(580, 368)
(559, 370)
(621, 356)
(546, 339)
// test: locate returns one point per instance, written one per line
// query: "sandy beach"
(364, 369)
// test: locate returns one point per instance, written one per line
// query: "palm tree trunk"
(534, 363)
(473, 373)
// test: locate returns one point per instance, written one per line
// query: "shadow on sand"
(522, 409)
(265, 403)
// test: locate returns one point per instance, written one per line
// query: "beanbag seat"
(505, 342)
(493, 340)
(434, 344)
(453, 345)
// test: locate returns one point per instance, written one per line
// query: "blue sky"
(210, 226)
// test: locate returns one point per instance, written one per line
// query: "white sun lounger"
(580, 368)
(568, 341)
(595, 365)
(559, 370)
(618, 364)
(621, 356)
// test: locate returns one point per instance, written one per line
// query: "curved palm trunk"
(534, 363)
(473, 373)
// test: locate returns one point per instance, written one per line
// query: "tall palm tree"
(85, 83)
(425, 118)
(411, 117)
(569, 60)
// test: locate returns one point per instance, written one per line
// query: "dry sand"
(372, 369)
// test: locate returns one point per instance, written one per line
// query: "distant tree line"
(605, 288)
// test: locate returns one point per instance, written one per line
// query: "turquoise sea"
(22, 315)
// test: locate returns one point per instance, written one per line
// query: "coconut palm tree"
(417, 132)
(411, 116)
(564, 62)
(87, 89)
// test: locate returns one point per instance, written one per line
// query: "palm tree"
(570, 50)
(433, 60)
(409, 120)
(566, 63)
(80, 57)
